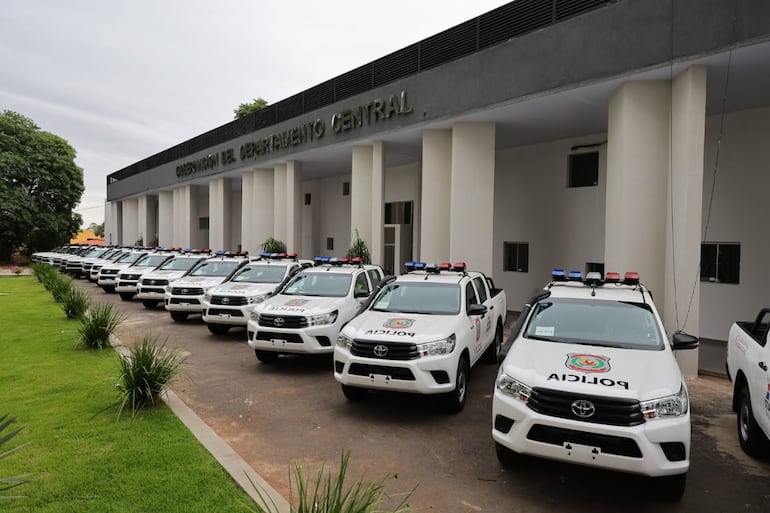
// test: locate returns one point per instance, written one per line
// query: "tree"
(40, 185)
(98, 229)
(244, 109)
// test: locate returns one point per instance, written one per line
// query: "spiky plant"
(76, 302)
(144, 374)
(325, 493)
(60, 286)
(98, 324)
(273, 245)
(359, 249)
(6, 483)
(45, 274)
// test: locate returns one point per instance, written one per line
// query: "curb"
(243, 474)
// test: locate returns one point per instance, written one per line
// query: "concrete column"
(293, 206)
(377, 240)
(279, 194)
(247, 213)
(147, 216)
(472, 195)
(220, 232)
(637, 174)
(166, 219)
(311, 220)
(113, 222)
(436, 195)
(361, 196)
(130, 221)
(186, 216)
(264, 209)
(684, 215)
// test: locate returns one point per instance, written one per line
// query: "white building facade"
(611, 136)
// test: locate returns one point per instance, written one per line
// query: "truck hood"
(300, 305)
(168, 275)
(399, 327)
(594, 370)
(115, 266)
(241, 289)
(199, 281)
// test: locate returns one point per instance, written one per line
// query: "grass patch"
(79, 458)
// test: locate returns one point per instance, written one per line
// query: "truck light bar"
(575, 276)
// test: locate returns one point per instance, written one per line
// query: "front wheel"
(354, 394)
(492, 354)
(266, 356)
(150, 303)
(218, 329)
(750, 435)
(126, 296)
(505, 455)
(672, 487)
(109, 289)
(179, 316)
(455, 400)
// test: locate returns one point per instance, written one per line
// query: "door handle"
(763, 366)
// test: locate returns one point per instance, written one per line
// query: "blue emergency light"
(575, 276)
(558, 275)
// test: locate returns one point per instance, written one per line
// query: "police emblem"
(399, 323)
(590, 363)
(296, 302)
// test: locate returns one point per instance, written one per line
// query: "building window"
(346, 188)
(329, 243)
(583, 169)
(720, 262)
(308, 198)
(203, 223)
(516, 257)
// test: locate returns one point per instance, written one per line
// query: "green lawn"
(80, 456)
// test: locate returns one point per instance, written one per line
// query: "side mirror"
(475, 309)
(682, 340)
(361, 293)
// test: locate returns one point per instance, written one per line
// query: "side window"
(374, 277)
(482, 291)
(361, 283)
(470, 295)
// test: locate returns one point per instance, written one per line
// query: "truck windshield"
(215, 268)
(595, 323)
(151, 261)
(261, 274)
(129, 258)
(318, 284)
(179, 264)
(421, 298)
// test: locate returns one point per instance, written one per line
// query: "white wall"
(563, 226)
(403, 183)
(739, 213)
(334, 211)
(235, 218)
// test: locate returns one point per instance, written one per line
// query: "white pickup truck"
(748, 359)
(422, 333)
(307, 314)
(591, 379)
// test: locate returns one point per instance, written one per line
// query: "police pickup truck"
(185, 295)
(151, 288)
(748, 358)
(128, 278)
(229, 304)
(422, 333)
(591, 379)
(307, 314)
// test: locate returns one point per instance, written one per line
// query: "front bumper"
(230, 315)
(429, 375)
(189, 304)
(125, 286)
(310, 340)
(632, 449)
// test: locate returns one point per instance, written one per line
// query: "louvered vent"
(448, 45)
(399, 64)
(353, 82)
(319, 96)
(289, 108)
(568, 8)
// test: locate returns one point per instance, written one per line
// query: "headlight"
(320, 320)
(256, 299)
(207, 296)
(344, 341)
(254, 316)
(443, 346)
(513, 387)
(168, 289)
(670, 406)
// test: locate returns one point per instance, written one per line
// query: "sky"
(121, 81)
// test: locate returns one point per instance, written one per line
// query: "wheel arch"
(740, 382)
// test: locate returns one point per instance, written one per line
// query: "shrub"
(272, 245)
(326, 494)
(60, 286)
(98, 324)
(144, 374)
(6, 483)
(76, 302)
(359, 249)
(44, 273)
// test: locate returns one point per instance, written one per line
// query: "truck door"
(760, 393)
(476, 322)
(487, 323)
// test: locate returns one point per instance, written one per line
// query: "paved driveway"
(293, 410)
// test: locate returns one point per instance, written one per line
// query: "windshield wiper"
(540, 337)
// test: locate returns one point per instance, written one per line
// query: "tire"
(179, 316)
(126, 296)
(150, 304)
(750, 435)
(354, 394)
(506, 456)
(266, 356)
(218, 329)
(109, 289)
(455, 400)
(672, 487)
(492, 354)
